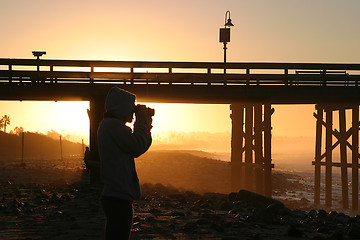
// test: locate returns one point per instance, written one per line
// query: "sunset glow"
(148, 31)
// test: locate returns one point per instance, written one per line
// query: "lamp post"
(225, 37)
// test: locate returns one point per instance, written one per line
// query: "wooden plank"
(267, 149)
(328, 158)
(343, 158)
(355, 158)
(249, 146)
(318, 158)
(166, 64)
(258, 129)
(335, 164)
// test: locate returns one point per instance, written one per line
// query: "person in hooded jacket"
(118, 146)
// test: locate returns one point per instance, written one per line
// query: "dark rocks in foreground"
(73, 212)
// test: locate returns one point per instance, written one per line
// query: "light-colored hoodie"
(119, 145)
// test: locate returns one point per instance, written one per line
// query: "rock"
(322, 213)
(150, 219)
(312, 214)
(342, 218)
(255, 199)
(210, 216)
(217, 227)
(155, 211)
(232, 196)
(354, 230)
(294, 232)
(299, 213)
(190, 226)
(178, 214)
(323, 229)
(195, 208)
(203, 221)
(226, 206)
(229, 238)
(262, 215)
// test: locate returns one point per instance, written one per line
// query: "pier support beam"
(96, 114)
(251, 147)
(342, 135)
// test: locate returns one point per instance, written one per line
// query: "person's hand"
(140, 112)
(142, 116)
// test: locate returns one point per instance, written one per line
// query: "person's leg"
(119, 216)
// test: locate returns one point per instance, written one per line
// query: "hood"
(120, 103)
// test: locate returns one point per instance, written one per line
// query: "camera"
(149, 111)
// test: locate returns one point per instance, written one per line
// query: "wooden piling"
(248, 147)
(237, 135)
(258, 129)
(355, 157)
(343, 158)
(328, 157)
(267, 149)
(319, 120)
(96, 114)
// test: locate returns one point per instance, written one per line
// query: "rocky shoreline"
(73, 212)
(39, 202)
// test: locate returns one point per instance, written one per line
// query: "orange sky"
(272, 31)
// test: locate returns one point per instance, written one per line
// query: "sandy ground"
(50, 199)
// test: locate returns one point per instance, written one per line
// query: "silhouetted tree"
(18, 130)
(6, 121)
(1, 123)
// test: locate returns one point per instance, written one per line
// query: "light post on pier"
(225, 37)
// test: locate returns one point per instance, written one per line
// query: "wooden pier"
(250, 88)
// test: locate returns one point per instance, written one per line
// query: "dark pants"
(119, 217)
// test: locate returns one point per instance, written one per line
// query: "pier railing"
(23, 71)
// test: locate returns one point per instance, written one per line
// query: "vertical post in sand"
(82, 147)
(22, 148)
(355, 158)
(319, 119)
(258, 129)
(267, 149)
(343, 158)
(237, 135)
(328, 157)
(96, 114)
(249, 147)
(61, 153)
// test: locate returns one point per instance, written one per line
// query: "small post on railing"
(324, 77)
(286, 72)
(10, 71)
(61, 153)
(22, 149)
(247, 76)
(51, 72)
(91, 74)
(83, 147)
(132, 75)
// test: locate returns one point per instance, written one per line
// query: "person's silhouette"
(118, 146)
